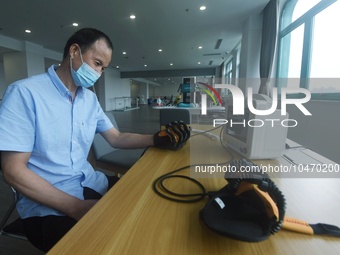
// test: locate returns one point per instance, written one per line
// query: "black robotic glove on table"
(173, 137)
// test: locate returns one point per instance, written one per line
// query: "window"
(309, 48)
(229, 72)
(228, 76)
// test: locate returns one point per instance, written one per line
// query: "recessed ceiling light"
(202, 8)
(124, 52)
(132, 16)
(145, 65)
(171, 64)
(75, 24)
(160, 50)
(199, 63)
(28, 31)
(117, 67)
(200, 47)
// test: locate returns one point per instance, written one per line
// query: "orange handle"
(297, 225)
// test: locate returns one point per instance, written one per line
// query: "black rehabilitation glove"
(173, 137)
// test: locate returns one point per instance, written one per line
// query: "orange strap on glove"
(173, 137)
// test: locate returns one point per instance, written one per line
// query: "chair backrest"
(173, 114)
(8, 200)
(100, 146)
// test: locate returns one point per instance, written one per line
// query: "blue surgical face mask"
(85, 76)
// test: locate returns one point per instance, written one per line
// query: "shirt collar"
(59, 84)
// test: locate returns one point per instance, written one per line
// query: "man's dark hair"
(85, 37)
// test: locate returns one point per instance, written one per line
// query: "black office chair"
(174, 114)
(15, 228)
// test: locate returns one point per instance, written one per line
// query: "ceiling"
(178, 27)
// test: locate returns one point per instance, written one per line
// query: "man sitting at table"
(48, 123)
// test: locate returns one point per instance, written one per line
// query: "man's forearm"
(134, 141)
(127, 140)
(38, 189)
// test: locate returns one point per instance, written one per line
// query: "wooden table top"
(132, 219)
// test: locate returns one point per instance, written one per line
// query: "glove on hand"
(173, 137)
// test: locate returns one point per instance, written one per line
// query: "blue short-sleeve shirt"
(38, 115)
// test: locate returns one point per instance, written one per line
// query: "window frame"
(307, 19)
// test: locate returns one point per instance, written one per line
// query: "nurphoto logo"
(239, 101)
(239, 106)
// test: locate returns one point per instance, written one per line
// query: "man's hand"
(173, 137)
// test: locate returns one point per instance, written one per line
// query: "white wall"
(153, 91)
(144, 92)
(23, 59)
(28, 62)
(15, 67)
(115, 90)
(134, 88)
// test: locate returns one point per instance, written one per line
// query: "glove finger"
(186, 130)
(179, 130)
(173, 139)
(176, 130)
(171, 127)
(179, 125)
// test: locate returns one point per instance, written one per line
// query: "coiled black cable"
(160, 188)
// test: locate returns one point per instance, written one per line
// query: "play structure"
(190, 94)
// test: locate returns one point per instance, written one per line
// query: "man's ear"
(74, 49)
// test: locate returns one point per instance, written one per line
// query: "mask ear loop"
(81, 56)
(94, 89)
(71, 63)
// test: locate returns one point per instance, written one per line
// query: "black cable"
(161, 190)
(203, 132)
(158, 185)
